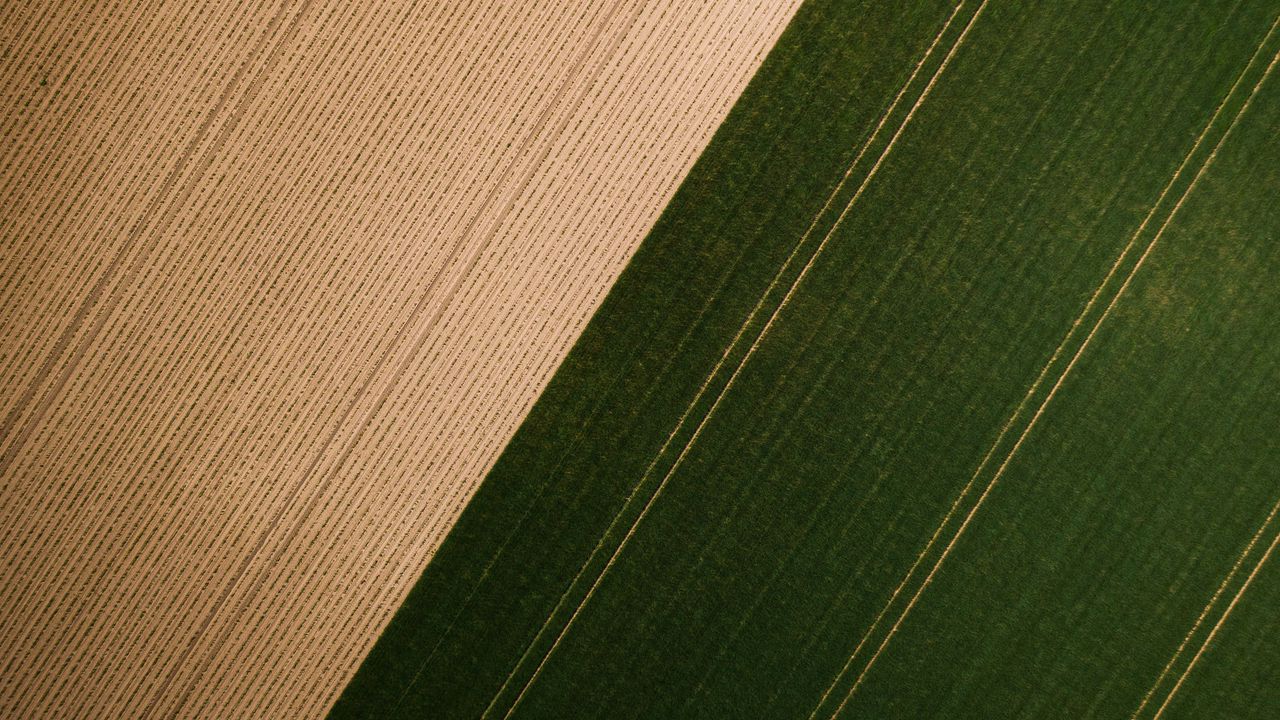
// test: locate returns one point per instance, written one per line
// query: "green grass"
(771, 547)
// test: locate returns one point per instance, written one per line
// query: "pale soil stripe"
(759, 13)
(1065, 373)
(742, 329)
(9, 557)
(78, 155)
(604, 32)
(267, 282)
(410, 384)
(277, 28)
(733, 376)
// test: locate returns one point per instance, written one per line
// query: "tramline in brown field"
(279, 282)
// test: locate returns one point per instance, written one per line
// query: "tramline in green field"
(943, 388)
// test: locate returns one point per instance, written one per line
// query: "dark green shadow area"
(779, 527)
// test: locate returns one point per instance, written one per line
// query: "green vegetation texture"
(994, 438)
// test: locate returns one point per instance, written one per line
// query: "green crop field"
(945, 387)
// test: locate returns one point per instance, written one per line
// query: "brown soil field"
(278, 281)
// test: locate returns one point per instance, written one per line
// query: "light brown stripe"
(302, 237)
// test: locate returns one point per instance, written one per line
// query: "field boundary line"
(577, 437)
(14, 438)
(750, 352)
(1080, 351)
(548, 112)
(450, 261)
(1222, 587)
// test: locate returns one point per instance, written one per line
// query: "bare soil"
(278, 281)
